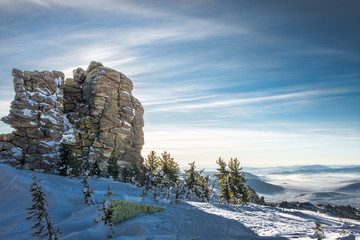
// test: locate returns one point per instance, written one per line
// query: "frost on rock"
(27, 112)
(94, 112)
(51, 119)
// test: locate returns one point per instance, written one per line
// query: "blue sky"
(270, 82)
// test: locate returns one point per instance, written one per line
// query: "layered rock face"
(37, 115)
(94, 112)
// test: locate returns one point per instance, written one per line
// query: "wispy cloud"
(236, 100)
(200, 67)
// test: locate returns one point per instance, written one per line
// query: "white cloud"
(231, 101)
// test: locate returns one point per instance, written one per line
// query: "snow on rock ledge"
(95, 109)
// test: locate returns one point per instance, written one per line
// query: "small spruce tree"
(169, 174)
(225, 195)
(39, 213)
(88, 192)
(222, 176)
(95, 169)
(65, 156)
(238, 192)
(170, 169)
(319, 231)
(106, 210)
(222, 170)
(113, 167)
(205, 191)
(151, 168)
(135, 174)
(125, 173)
(232, 180)
(152, 162)
(190, 180)
(179, 191)
(69, 164)
(162, 177)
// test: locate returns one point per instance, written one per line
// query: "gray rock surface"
(94, 112)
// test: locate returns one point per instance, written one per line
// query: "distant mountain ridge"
(310, 169)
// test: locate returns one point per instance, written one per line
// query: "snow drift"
(187, 220)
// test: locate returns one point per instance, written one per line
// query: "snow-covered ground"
(187, 220)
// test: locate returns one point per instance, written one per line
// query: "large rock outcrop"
(94, 112)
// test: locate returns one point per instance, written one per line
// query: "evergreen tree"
(179, 191)
(152, 162)
(125, 173)
(151, 170)
(39, 213)
(106, 210)
(88, 192)
(112, 166)
(69, 164)
(168, 175)
(195, 183)
(238, 192)
(162, 177)
(319, 231)
(225, 194)
(191, 178)
(170, 169)
(95, 169)
(75, 166)
(204, 191)
(65, 156)
(222, 176)
(134, 174)
(222, 170)
(151, 174)
(232, 180)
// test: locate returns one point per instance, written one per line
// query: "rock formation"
(94, 112)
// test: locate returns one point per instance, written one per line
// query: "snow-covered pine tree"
(319, 231)
(222, 170)
(152, 162)
(162, 176)
(170, 169)
(107, 207)
(113, 167)
(179, 191)
(169, 174)
(223, 176)
(225, 194)
(195, 183)
(191, 177)
(95, 169)
(205, 190)
(39, 213)
(155, 196)
(106, 211)
(238, 191)
(151, 167)
(65, 155)
(232, 181)
(125, 173)
(134, 174)
(88, 192)
(69, 165)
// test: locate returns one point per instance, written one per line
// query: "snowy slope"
(187, 220)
